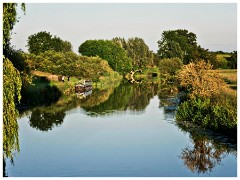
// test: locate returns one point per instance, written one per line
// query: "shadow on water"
(39, 93)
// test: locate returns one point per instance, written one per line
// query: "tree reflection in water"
(134, 97)
(208, 150)
(101, 102)
(45, 119)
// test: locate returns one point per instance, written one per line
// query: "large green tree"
(44, 41)
(108, 50)
(178, 43)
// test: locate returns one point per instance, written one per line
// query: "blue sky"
(214, 24)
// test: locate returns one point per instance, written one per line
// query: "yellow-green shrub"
(211, 103)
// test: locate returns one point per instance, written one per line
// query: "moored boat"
(85, 85)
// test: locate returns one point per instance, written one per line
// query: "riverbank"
(210, 102)
(47, 89)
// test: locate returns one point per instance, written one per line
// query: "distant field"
(221, 56)
(229, 75)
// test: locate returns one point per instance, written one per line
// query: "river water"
(124, 131)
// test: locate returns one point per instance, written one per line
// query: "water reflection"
(45, 119)
(208, 148)
(134, 97)
(207, 151)
(201, 156)
(126, 96)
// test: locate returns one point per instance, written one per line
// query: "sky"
(215, 24)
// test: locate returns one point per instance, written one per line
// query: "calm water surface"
(125, 131)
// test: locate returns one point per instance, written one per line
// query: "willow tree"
(12, 84)
(11, 91)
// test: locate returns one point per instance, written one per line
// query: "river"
(124, 131)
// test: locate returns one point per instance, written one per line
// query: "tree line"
(124, 55)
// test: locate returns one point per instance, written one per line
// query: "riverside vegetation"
(30, 79)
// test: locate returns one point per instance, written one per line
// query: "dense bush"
(200, 81)
(170, 66)
(70, 64)
(209, 114)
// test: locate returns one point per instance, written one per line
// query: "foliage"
(204, 54)
(209, 115)
(182, 44)
(177, 43)
(211, 102)
(224, 60)
(137, 50)
(221, 61)
(11, 93)
(19, 62)
(11, 85)
(70, 64)
(9, 20)
(232, 60)
(107, 50)
(170, 49)
(44, 41)
(170, 66)
(199, 81)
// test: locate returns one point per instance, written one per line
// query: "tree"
(137, 50)
(44, 41)
(45, 119)
(121, 42)
(11, 85)
(106, 49)
(178, 43)
(11, 92)
(171, 49)
(9, 20)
